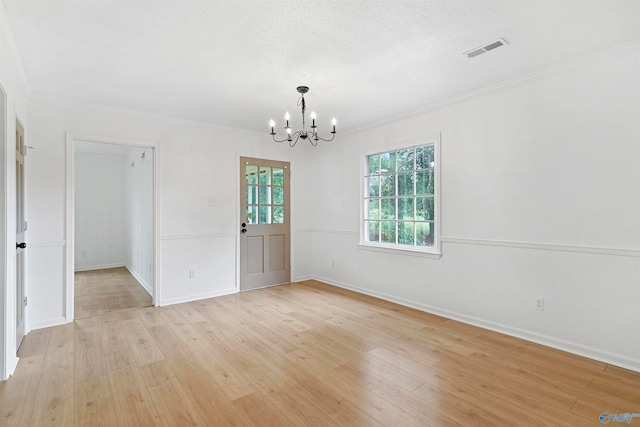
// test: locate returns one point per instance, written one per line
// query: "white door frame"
(70, 215)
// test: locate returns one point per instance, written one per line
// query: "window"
(265, 194)
(400, 204)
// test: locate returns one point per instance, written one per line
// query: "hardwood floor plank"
(93, 403)
(61, 342)
(18, 393)
(422, 409)
(333, 405)
(377, 407)
(210, 401)
(231, 380)
(131, 399)
(141, 342)
(150, 317)
(257, 408)
(37, 343)
(54, 402)
(170, 400)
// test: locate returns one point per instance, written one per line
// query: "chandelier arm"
(292, 143)
(333, 135)
(295, 135)
(277, 140)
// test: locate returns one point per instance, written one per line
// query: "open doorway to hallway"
(113, 228)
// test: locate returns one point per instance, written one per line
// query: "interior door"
(20, 234)
(265, 223)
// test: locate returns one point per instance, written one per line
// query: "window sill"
(408, 251)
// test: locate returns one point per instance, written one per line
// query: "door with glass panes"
(264, 223)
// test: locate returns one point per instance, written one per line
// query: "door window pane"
(278, 214)
(265, 214)
(252, 194)
(265, 195)
(278, 176)
(265, 175)
(251, 173)
(252, 214)
(278, 195)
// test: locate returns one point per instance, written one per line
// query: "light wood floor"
(301, 354)
(103, 291)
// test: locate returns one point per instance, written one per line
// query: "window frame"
(424, 251)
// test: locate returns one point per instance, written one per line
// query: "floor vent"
(480, 50)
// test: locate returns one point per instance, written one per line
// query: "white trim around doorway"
(72, 137)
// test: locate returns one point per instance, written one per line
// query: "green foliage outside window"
(400, 197)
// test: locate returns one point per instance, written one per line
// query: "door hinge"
(24, 301)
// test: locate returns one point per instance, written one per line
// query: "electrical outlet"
(333, 264)
(539, 301)
(192, 274)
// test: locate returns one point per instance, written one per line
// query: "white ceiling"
(237, 63)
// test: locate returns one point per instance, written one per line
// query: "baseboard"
(12, 364)
(147, 287)
(302, 278)
(197, 297)
(98, 267)
(559, 344)
(48, 323)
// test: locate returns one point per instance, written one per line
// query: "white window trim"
(428, 252)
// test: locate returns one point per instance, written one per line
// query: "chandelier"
(311, 135)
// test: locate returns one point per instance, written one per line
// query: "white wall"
(196, 162)
(15, 90)
(139, 215)
(540, 197)
(100, 200)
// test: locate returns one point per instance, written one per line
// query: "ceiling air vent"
(480, 50)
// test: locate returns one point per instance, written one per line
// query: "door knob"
(244, 224)
(22, 245)
(244, 230)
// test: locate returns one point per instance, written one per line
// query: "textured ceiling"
(237, 63)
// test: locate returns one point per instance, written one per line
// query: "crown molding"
(496, 87)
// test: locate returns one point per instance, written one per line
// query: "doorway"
(265, 246)
(112, 227)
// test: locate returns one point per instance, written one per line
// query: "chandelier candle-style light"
(303, 134)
